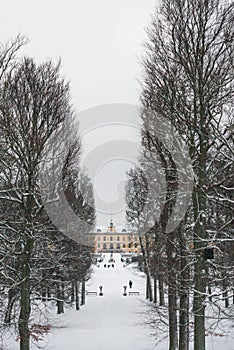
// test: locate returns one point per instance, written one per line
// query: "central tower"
(111, 227)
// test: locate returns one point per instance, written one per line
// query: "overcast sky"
(100, 44)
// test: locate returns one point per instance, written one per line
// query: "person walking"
(130, 284)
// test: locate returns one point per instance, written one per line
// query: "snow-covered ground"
(111, 321)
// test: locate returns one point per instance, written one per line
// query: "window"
(118, 246)
(136, 245)
(118, 238)
(123, 238)
(124, 245)
(104, 246)
(111, 246)
(99, 245)
(98, 238)
(124, 230)
(111, 238)
(104, 238)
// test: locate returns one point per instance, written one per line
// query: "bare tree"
(189, 81)
(136, 199)
(34, 103)
(8, 54)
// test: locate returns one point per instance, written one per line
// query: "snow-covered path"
(111, 321)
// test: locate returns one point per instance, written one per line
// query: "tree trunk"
(172, 294)
(149, 294)
(199, 307)
(60, 308)
(225, 292)
(184, 297)
(43, 287)
(12, 296)
(155, 287)
(83, 291)
(200, 236)
(210, 293)
(161, 289)
(73, 291)
(148, 289)
(77, 295)
(199, 206)
(48, 294)
(43, 294)
(25, 307)
(184, 322)
(63, 291)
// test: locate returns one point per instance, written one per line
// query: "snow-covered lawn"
(111, 321)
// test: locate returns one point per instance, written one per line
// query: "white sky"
(100, 44)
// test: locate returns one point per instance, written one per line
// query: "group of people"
(109, 265)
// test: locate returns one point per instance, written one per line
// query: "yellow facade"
(111, 240)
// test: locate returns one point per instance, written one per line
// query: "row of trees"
(188, 91)
(37, 261)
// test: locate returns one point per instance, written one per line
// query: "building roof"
(112, 230)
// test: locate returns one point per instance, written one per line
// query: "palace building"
(111, 240)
